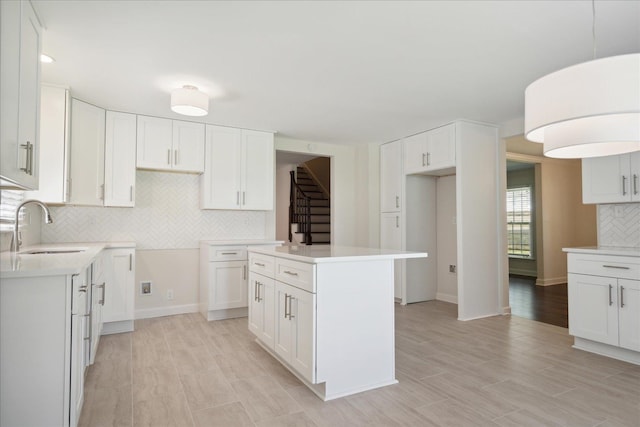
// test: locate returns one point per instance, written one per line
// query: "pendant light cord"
(593, 27)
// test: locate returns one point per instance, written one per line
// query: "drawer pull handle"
(286, 299)
(619, 267)
(258, 264)
(621, 296)
(290, 273)
(624, 185)
(610, 297)
(229, 253)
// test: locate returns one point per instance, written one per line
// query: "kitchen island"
(327, 314)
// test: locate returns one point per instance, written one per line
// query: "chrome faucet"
(17, 241)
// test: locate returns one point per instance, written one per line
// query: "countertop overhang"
(600, 250)
(332, 253)
(36, 265)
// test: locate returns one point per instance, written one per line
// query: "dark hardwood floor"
(547, 304)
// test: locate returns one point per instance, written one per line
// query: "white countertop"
(26, 265)
(241, 242)
(332, 253)
(599, 250)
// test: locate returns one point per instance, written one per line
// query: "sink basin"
(52, 251)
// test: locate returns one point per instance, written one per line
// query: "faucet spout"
(16, 241)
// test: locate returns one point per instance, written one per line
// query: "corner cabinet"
(611, 179)
(20, 39)
(239, 169)
(604, 304)
(170, 145)
(86, 184)
(119, 291)
(120, 159)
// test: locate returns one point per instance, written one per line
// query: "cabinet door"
(154, 142)
(415, 153)
(390, 176)
(220, 182)
(120, 159)
(302, 309)
(257, 170)
(391, 238)
(593, 311)
(54, 146)
(635, 176)
(606, 179)
(441, 148)
(256, 307)
(629, 313)
(188, 146)
(261, 308)
(119, 290)
(87, 154)
(228, 285)
(79, 292)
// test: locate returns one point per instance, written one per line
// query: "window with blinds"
(519, 238)
(9, 202)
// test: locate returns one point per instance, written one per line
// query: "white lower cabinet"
(119, 291)
(261, 308)
(604, 304)
(42, 349)
(98, 284)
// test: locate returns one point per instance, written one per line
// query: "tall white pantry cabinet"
(470, 151)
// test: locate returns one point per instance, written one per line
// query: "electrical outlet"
(452, 268)
(145, 288)
(169, 294)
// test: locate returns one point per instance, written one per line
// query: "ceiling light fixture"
(586, 110)
(46, 59)
(189, 101)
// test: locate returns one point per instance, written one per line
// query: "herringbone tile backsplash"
(622, 230)
(166, 216)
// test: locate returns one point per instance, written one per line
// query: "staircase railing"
(299, 210)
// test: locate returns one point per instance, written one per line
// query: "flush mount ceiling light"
(188, 100)
(586, 110)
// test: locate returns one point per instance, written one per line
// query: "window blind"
(9, 202)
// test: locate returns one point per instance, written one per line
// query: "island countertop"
(605, 250)
(334, 253)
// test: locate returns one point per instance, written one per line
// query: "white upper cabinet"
(239, 169)
(87, 154)
(173, 145)
(390, 176)
(611, 179)
(54, 146)
(20, 40)
(431, 151)
(120, 159)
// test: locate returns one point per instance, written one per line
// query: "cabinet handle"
(619, 267)
(621, 296)
(238, 198)
(130, 262)
(101, 302)
(286, 299)
(397, 201)
(28, 160)
(169, 156)
(258, 264)
(131, 193)
(244, 201)
(624, 185)
(610, 296)
(291, 316)
(260, 292)
(290, 273)
(82, 288)
(255, 290)
(423, 157)
(102, 191)
(175, 158)
(244, 272)
(229, 253)
(428, 159)
(635, 183)
(397, 221)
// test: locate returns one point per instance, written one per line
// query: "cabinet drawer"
(298, 274)
(227, 253)
(263, 264)
(604, 265)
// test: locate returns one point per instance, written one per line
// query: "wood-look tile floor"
(500, 371)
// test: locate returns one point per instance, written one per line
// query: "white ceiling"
(331, 71)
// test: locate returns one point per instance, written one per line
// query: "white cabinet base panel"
(607, 350)
(228, 313)
(117, 327)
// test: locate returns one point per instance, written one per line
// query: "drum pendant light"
(189, 101)
(586, 110)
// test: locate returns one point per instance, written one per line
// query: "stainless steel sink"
(52, 251)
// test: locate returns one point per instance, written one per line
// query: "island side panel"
(355, 326)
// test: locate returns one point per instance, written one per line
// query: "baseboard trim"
(607, 350)
(506, 311)
(553, 281)
(479, 317)
(453, 299)
(522, 272)
(119, 327)
(148, 313)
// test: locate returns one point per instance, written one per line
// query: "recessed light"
(46, 59)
